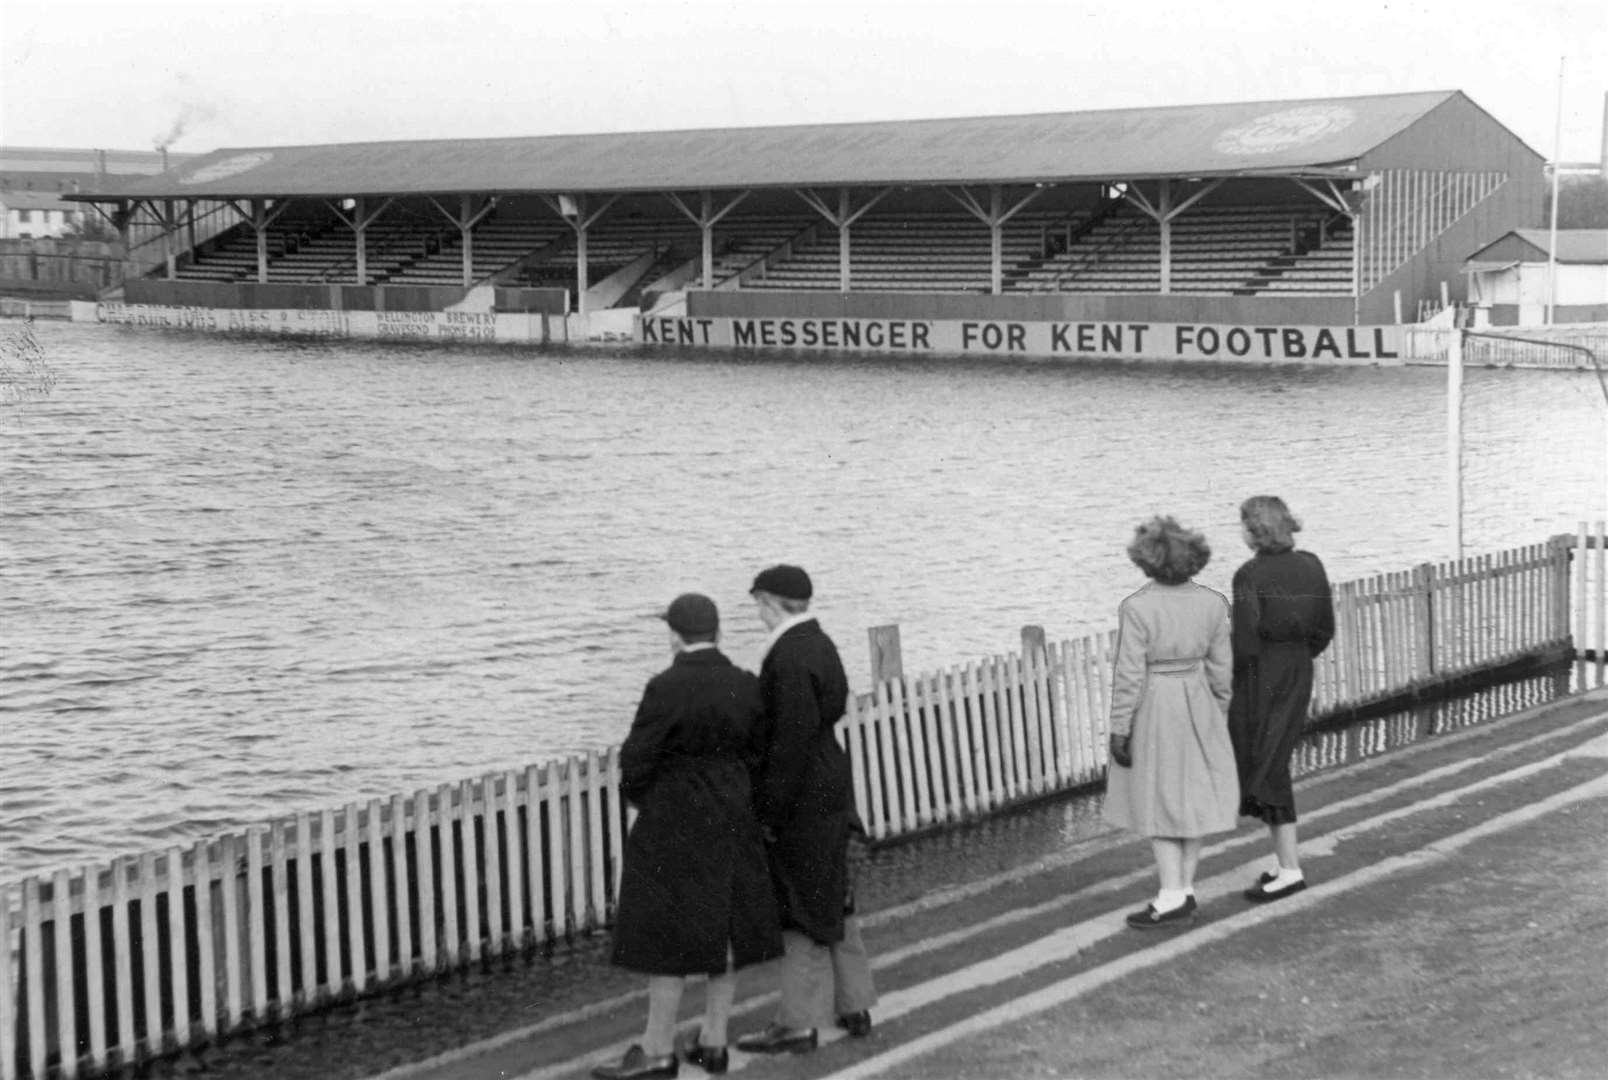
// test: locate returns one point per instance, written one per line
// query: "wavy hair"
(1167, 552)
(1269, 524)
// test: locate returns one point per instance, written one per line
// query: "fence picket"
(851, 730)
(306, 916)
(575, 865)
(447, 841)
(327, 854)
(594, 835)
(150, 952)
(985, 769)
(233, 952)
(352, 858)
(258, 958)
(918, 722)
(424, 876)
(179, 968)
(876, 821)
(94, 969)
(206, 956)
(62, 935)
(555, 849)
(469, 861)
(966, 804)
(1600, 642)
(954, 801)
(33, 927)
(900, 727)
(279, 875)
(491, 843)
(534, 847)
(513, 869)
(379, 894)
(616, 831)
(995, 707)
(399, 862)
(9, 993)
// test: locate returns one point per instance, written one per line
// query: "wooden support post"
(844, 221)
(996, 242)
(466, 231)
(169, 226)
(1454, 437)
(360, 229)
(887, 657)
(259, 222)
(1164, 221)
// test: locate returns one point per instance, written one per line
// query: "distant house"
(1511, 277)
(33, 215)
(33, 179)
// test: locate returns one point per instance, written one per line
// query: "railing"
(1431, 345)
(161, 951)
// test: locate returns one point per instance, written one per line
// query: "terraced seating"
(933, 252)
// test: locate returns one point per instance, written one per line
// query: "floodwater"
(242, 577)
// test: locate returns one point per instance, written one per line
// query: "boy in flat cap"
(695, 890)
(804, 795)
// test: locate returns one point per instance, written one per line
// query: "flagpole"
(1552, 239)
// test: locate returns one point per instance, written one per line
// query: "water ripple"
(250, 576)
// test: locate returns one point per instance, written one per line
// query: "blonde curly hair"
(1167, 552)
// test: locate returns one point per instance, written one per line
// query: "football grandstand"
(1339, 212)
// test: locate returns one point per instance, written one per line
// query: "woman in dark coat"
(1283, 617)
(695, 890)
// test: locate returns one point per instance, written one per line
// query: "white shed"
(1510, 276)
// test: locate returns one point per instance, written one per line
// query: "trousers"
(822, 982)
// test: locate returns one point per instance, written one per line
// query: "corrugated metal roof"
(1245, 138)
(1574, 245)
(56, 159)
(38, 200)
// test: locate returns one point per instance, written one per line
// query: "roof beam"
(843, 217)
(995, 218)
(706, 219)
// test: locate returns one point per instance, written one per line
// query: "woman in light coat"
(1172, 776)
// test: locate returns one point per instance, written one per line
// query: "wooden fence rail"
(153, 953)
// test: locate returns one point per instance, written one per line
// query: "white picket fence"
(157, 952)
(1422, 344)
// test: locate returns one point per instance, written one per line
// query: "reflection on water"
(904, 868)
(241, 577)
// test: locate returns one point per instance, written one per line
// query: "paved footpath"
(1456, 926)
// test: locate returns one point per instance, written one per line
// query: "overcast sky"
(121, 75)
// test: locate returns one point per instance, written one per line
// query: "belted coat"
(803, 787)
(695, 877)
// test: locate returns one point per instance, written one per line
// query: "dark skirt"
(1272, 692)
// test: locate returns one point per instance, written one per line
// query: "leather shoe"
(857, 1024)
(1151, 919)
(711, 1059)
(637, 1065)
(1261, 894)
(776, 1039)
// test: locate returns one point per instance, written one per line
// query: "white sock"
(1284, 879)
(1167, 899)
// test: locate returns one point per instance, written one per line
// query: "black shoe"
(1265, 877)
(636, 1065)
(857, 1024)
(711, 1059)
(1151, 919)
(776, 1039)
(1261, 894)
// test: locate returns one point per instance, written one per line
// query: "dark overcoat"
(695, 876)
(1283, 617)
(804, 787)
